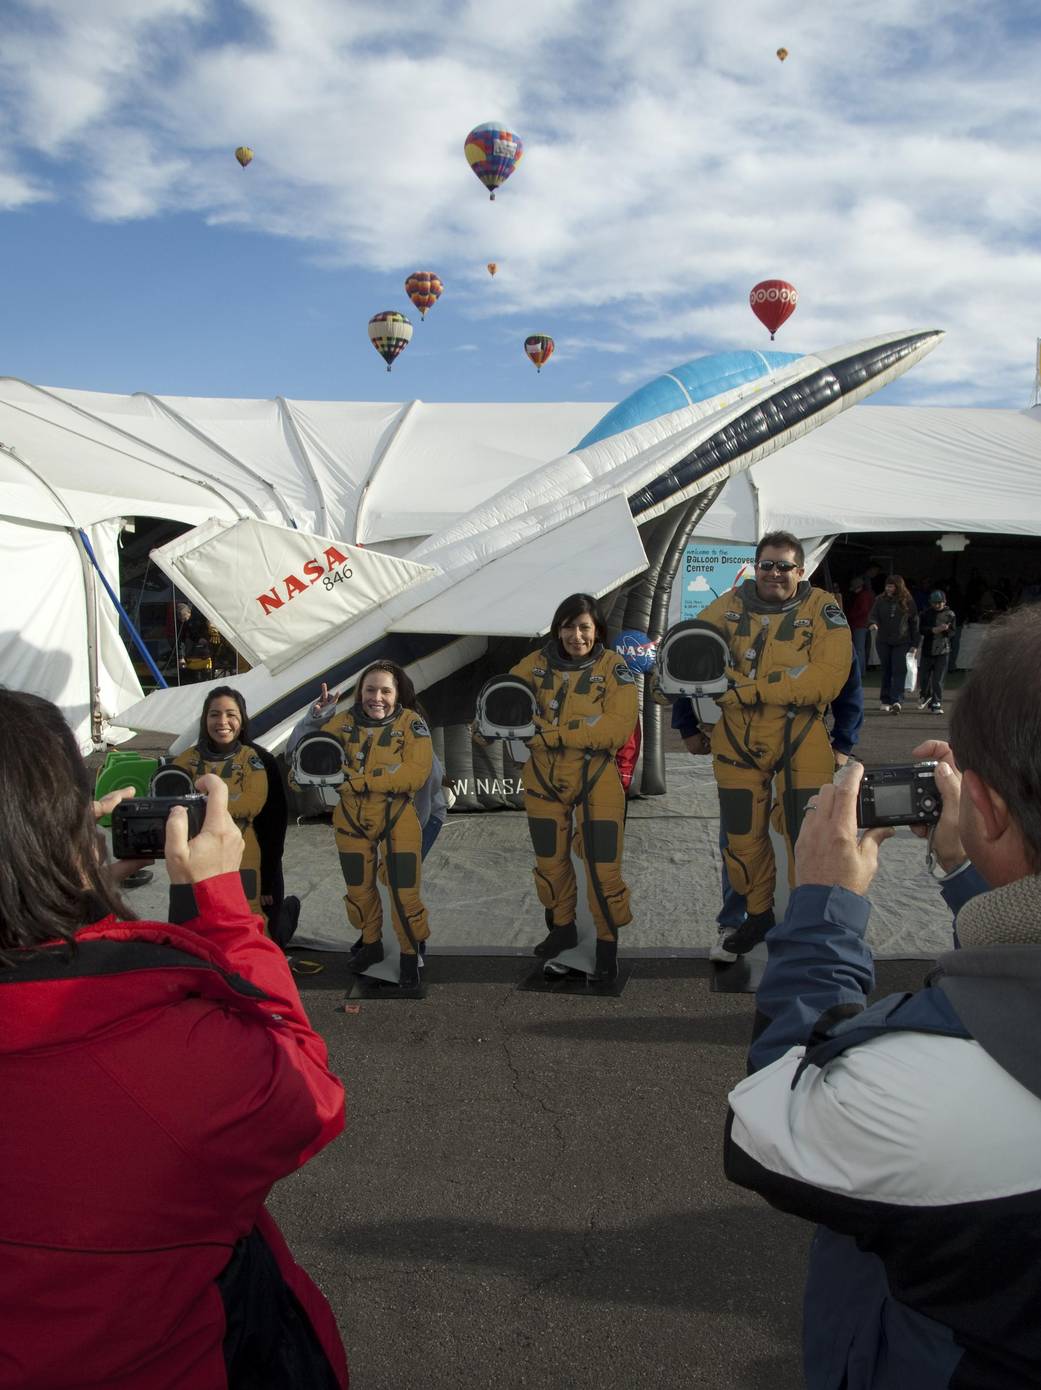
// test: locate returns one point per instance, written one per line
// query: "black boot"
(357, 945)
(369, 954)
(749, 934)
(409, 976)
(606, 971)
(559, 939)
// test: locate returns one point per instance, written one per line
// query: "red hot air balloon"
(539, 348)
(772, 302)
(424, 288)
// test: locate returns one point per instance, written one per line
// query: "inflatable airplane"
(610, 517)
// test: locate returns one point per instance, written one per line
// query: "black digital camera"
(139, 824)
(904, 795)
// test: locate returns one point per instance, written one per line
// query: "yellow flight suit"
(572, 790)
(385, 763)
(244, 773)
(770, 745)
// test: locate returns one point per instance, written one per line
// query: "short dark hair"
(996, 723)
(782, 540)
(573, 607)
(406, 691)
(239, 699)
(52, 859)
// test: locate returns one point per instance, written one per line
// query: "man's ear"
(990, 806)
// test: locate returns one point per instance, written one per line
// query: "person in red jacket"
(157, 1080)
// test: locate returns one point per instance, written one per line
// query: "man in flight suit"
(790, 655)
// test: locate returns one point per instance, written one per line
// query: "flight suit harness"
(385, 763)
(789, 661)
(587, 710)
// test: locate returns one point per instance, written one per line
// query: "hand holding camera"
(216, 849)
(828, 850)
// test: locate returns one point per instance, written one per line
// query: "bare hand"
(325, 701)
(828, 851)
(119, 869)
(946, 842)
(217, 849)
(841, 759)
(698, 744)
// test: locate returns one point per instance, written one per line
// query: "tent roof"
(380, 472)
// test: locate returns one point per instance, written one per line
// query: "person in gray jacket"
(909, 1128)
(938, 625)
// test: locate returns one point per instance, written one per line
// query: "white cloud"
(887, 168)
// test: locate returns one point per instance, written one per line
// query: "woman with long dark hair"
(388, 759)
(587, 707)
(255, 795)
(157, 1080)
(894, 620)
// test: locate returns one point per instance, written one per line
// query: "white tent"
(894, 468)
(386, 475)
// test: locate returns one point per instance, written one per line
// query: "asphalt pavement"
(529, 1192)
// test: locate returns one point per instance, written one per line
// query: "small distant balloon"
(493, 153)
(782, 53)
(424, 288)
(539, 348)
(772, 302)
(244, 155)
(390, 334)
(492, 267)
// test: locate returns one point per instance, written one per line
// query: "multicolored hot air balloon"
(244, 155)
(493, 153)
(772, 302)
(782, 53)
(492, 267)
(390, 334)
(539, 348)
(424, 288)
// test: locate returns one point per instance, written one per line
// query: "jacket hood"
(996, 992)
(57, 996)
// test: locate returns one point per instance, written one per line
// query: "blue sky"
(888, 169)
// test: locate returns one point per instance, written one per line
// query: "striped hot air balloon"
(390, 334)
(244, 155)
(539, 348)
(424, 288)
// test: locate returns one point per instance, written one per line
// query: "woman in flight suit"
(587, 706)
(387, 757)
(256, 801)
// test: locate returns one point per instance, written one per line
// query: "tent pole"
(139, 643)
(90, 598)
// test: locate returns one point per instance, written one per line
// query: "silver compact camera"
(902, 795)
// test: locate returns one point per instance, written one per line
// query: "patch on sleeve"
(255, 763)
(834, 616)
(623, 675)
(420, 729)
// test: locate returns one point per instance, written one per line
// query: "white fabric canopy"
(389, 475)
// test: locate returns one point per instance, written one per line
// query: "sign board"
(710, 568)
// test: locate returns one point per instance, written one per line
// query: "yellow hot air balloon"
(782, 53)
(244, 155)
(492, 267)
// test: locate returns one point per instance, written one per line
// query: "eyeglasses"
(783, 566)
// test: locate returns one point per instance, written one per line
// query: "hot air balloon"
(782, 53)
(493, 153)
(390, 334)
(492, 267)
(424, 288)
(772, 302)
(244, 155)
(539, 348)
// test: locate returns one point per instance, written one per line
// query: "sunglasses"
(782, 566)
